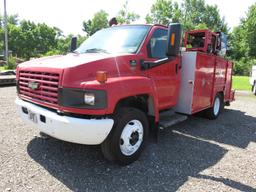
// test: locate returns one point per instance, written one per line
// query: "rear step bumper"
(75, 130)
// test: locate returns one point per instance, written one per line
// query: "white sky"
(68, 15)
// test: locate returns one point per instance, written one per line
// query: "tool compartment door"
(203, 83)
(185, 99)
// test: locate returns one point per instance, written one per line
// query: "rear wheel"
(215, 110)
(127, 138)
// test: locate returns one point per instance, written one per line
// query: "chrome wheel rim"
(216, 106)
(131, 137)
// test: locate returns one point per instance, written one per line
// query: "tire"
(254, 88)
(216, 109)
(127, 138)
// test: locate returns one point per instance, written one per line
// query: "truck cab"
(113, 88)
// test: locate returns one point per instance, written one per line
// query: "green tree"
(63, 44)
(99, 21)
(250, 30)
(31, 40)
(243, 43)
(164, 12)
(126, 16)
(196, 12)
(11, 19)
(1, 40)
(192, 14)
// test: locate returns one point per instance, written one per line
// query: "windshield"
(119, 39)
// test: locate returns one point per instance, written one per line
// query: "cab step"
(174, 118)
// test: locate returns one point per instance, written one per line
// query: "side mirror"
(73, 45)
(174, 39)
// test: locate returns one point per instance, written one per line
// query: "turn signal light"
(101, 76)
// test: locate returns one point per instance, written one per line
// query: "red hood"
(65, 61)
(74, 69)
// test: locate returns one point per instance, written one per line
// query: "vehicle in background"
(253, 79)
(7, 77)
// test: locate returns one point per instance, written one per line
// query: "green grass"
(241, 83)
(2, 68)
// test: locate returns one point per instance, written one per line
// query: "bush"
(11, 63)
(243, 66)
(52, 52)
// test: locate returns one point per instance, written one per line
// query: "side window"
(157, 47)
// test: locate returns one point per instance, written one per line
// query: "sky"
(68, 15)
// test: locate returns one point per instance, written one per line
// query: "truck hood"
(65, 61)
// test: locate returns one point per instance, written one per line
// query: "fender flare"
(119, 88)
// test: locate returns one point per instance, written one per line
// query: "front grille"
(47, 90)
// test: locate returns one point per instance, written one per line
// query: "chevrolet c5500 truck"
(123, 83)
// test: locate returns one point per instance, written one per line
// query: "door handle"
(191, 82)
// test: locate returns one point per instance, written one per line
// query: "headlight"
(82, 99)
(89, 98)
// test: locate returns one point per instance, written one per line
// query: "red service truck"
(124, 83)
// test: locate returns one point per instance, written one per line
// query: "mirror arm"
(73, 44)
(151, 64)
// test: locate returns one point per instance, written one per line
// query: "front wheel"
(127, 138)
(215, 110)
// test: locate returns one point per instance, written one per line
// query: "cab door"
(166, 75)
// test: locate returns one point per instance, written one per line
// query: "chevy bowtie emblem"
(33, 85)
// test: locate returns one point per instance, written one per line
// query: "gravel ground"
(196, 155)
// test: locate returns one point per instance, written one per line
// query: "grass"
(2, 68)
(241, 83)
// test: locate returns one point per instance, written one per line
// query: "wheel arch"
(144, 102)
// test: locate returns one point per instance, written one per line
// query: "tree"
(192, 14)
(12, 19)
(99, 21)
(196, 12)
(250, 30)
(63, 44)
(125, 16)
(243, 43)
(164, 12)
(28, 39)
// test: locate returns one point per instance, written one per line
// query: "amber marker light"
(101, 76)
(172, 39)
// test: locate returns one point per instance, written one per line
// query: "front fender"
(119, 88)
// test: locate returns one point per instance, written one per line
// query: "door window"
(157, 47)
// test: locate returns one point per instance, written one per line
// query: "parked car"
(253, 79)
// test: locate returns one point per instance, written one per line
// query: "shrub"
(11, 63)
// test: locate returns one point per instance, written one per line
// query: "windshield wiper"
(95, 50)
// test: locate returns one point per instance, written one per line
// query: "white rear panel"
(184, 104)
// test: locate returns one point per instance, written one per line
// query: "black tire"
(213, 112)
(111, 147)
